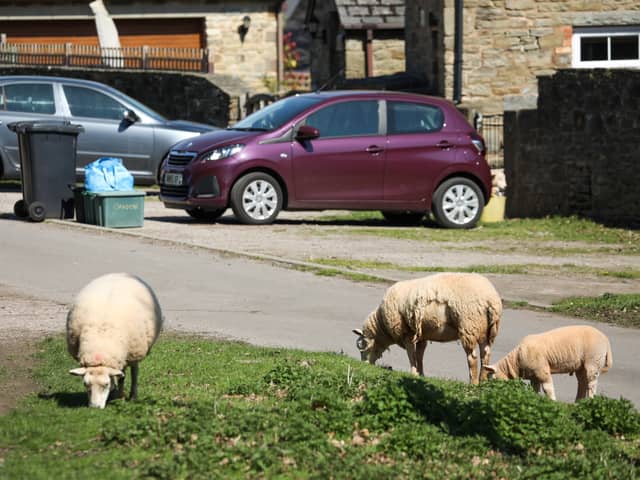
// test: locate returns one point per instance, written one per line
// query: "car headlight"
(223, 152)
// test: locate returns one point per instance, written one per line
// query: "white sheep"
(112, 324)
(440, 308)
(578, 349)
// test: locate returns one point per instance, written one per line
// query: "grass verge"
(623, 310)
(536, 230)
(521, 269)
(211, 409)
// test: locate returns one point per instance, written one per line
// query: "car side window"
(407, 117)
(346, 119)
(29, 97)
(85, 102)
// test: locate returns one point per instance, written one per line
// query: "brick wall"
(176, 96)
(577, 154)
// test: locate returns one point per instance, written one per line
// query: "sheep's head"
(361, 343)
(493, 372)
(367, 347)
(99, 381)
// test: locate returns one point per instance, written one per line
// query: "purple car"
(403, 154)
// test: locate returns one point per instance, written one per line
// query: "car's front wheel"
(256, 199)
(205, 215)
(457, 203)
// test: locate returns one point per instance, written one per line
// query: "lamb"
(441, 308)
(112, 324)
(578, 349)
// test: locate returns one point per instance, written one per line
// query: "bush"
(616, 417)
(516, 419)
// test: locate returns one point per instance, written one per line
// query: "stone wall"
(251, 61)
(387, 51)
(182, 96)
(577, 154)
(506, 43)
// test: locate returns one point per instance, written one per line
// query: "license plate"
(174, 179)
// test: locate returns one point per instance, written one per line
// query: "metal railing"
(491, 127)
(92, 56)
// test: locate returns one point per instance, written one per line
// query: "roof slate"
(374, 13)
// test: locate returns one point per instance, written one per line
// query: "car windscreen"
(140, 107)
(275, 115)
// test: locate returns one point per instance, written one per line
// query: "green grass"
(522, 269)
(211, 409)
(549, 229)
(623, 310)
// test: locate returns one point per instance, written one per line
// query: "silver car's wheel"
(458, 203)
(256, 199)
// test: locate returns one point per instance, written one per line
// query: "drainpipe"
(369, 54)
(457, 60)
(279, 48)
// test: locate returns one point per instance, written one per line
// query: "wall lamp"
(244, 27)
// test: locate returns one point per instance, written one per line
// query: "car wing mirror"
(307, 132)
(131, 116)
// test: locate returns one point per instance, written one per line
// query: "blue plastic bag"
(107, 174)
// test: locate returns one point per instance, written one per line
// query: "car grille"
(171, 191)
(179, 158)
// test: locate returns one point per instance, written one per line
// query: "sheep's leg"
(120, 389)
(485, 359)
(410, 347)
(472, 361)
(134, 381)
(592, 383)
(583, 382)
(421, 346)
(535, 384)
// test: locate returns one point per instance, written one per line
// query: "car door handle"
(444, 144)
(374, 149)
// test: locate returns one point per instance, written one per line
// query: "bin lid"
(61, 126)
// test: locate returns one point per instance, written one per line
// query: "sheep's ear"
(489, 368)
(78, 371)
(114, 372)
(357, 331)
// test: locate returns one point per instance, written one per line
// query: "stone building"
(502, 46)
(243, 37)
(355, 38)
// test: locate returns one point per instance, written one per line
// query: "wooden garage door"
(173, 33)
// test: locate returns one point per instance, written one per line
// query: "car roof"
(388, 94)
(49, 78)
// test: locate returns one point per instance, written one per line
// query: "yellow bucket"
(494, 210)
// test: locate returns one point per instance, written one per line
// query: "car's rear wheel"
(406, 219)
(458, 203)
(256, 199)
(205, 215)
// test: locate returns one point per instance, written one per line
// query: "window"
(29, 97)
(84, 102)
(597, 47)
(405, 117)
(346, 119)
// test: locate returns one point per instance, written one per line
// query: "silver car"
(115, 125)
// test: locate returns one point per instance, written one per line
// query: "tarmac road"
(209, 293)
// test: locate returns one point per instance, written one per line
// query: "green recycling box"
(119, 209)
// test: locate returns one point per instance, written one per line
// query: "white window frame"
(599, 32)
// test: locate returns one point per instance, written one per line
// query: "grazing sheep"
(578, 349)
(441, 308)
(112, 324)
